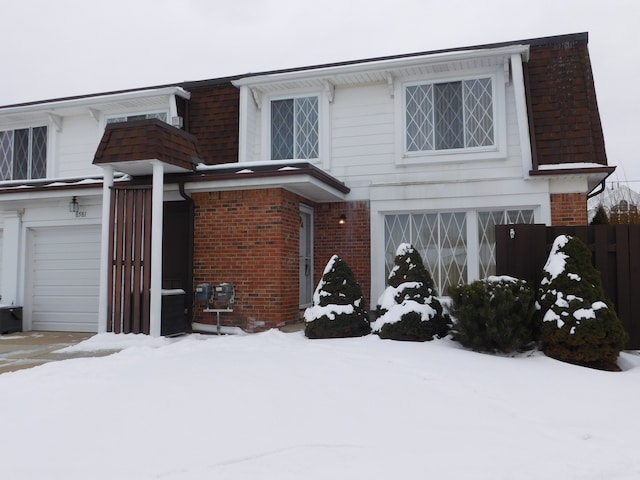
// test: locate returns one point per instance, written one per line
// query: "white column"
(105, 261)
(10, 257)
(156, 248)
(521, 113)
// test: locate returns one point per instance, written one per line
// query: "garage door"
(65, 278)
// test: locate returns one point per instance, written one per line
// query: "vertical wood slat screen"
(130, 253)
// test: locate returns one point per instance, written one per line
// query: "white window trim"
(323, 124)
(496, 151)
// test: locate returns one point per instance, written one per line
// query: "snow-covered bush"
(338, 308)
(494, 315)
(578, 322)
(408, 308)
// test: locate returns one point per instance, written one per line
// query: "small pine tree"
(578, 323)
(600, 218)
(408, 309)
(494, 315)
(338, 308)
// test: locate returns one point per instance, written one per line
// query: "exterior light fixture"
(74, 206)
(342, 220)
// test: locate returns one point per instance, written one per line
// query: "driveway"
(29, 349)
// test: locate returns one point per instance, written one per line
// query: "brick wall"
(350, 241)
(568, 209)
(251, 239)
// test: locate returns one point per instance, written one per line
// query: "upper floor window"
(294, 128)
(449, 115)
(23, 153)
(141, 116)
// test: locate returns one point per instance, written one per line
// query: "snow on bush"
(338, 308)
(577, 321)
(408, 308)
(494, 315)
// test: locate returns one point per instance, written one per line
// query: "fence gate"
(522, 251)
(130, 254)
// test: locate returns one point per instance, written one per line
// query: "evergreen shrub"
(338, 308)
(494, 315)
(408, 309)
(578, 323)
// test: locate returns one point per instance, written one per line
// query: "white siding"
(76, 145)
(63, 292)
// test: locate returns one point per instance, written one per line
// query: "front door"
(306, 256)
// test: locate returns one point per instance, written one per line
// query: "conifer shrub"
(338, 308)
(409, 309)
(494, 315)
(578, 323)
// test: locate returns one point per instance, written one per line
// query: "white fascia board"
(95, 100)
(385, 65)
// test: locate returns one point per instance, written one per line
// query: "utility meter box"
(204, 292)
(224, 292)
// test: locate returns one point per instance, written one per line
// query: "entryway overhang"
(131, 279)
(300, 177)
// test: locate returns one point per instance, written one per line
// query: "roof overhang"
(379, 70)
(594, 175)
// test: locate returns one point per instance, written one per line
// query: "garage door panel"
(76, 265)
(65, 278)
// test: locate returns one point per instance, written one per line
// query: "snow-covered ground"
(279, 406)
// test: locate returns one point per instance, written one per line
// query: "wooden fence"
(522, 251)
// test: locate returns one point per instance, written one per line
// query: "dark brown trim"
(571, 171)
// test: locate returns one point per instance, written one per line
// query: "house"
(110, 203)
(617, 198)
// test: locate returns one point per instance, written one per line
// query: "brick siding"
(249, 238)
(568, 209)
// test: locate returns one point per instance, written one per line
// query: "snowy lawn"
(279, 406)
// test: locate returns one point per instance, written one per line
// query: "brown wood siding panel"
(615, 254)
(146, 264)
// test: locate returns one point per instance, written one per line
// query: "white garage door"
(65, 278)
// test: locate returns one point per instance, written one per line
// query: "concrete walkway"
(29, 349)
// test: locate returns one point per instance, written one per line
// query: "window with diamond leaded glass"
(23, 153)
(441, 239)
(294, 128)
(451, 115)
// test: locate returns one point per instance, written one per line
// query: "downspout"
(597, 192)
(190, 254)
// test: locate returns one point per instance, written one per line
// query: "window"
(294, 128)
(23, 154)
(444, 244)
(451, 115)
(441, 239)
(143, 116)
(487, 235)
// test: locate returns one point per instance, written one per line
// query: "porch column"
(10, 258)
(156, 249)
(105, 261)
